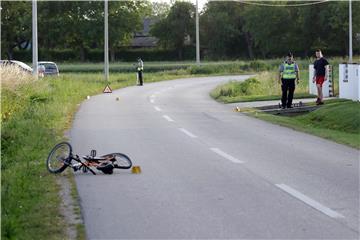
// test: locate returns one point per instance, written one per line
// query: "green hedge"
(97, 55)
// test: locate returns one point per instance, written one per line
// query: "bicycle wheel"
(59, 158)
(120, 160)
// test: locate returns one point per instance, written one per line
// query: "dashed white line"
(225, 155)
(187, 133)
(157, 109)
(314, 204)
(168, 118)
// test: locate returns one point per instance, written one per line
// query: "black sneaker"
(317, 100)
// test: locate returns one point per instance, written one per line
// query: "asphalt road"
(209, 172)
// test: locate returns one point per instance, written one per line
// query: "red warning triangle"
(107, 89)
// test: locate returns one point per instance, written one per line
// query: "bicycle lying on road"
(61, 157)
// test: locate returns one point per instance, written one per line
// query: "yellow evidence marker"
(136, 170)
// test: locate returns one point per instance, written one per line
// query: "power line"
(277, 5)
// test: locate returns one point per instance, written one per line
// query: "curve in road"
(209, 172)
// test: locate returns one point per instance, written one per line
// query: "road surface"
(209, 172)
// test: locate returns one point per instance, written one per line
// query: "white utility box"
(349, 81)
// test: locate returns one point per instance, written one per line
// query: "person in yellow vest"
(140, 68)
(288, 73)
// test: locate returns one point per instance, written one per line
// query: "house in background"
(143, 39)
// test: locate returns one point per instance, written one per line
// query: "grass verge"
(261, 87)
(337, 120)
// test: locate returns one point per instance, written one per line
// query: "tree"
(77, 25)
(125, 17)
(178, 25)
(160, 9)
(270, 28)
(222, 31)
(16, 26)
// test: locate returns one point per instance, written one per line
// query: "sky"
(201, 2)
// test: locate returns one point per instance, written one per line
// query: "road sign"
(107, 89)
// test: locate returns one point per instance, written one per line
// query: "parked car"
(23, 66)
(50, 68)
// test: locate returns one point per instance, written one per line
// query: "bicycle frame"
(86, 165)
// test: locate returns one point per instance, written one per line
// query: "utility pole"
(34, 39)
(197, 35)
(106, 42)
(350, 34)
(0, 26)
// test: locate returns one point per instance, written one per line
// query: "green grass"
(337, 120)
(263, 86)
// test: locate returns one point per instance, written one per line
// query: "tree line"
(228, 29)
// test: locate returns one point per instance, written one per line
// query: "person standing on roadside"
(140, 68)
(320, 74)
(288, 73)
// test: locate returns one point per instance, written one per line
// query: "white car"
(50, 68)
(21, 65)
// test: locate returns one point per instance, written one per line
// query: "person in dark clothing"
(320, 74)
(288, 73)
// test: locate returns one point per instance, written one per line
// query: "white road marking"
(318, 206)
(168, 118)
(225, 155)
(187, 133)
(152, 100)
(157, 109)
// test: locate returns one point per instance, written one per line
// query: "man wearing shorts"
(320, 74)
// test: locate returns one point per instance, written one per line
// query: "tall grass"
(29, 198)
(13, 76)
(264, 86)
